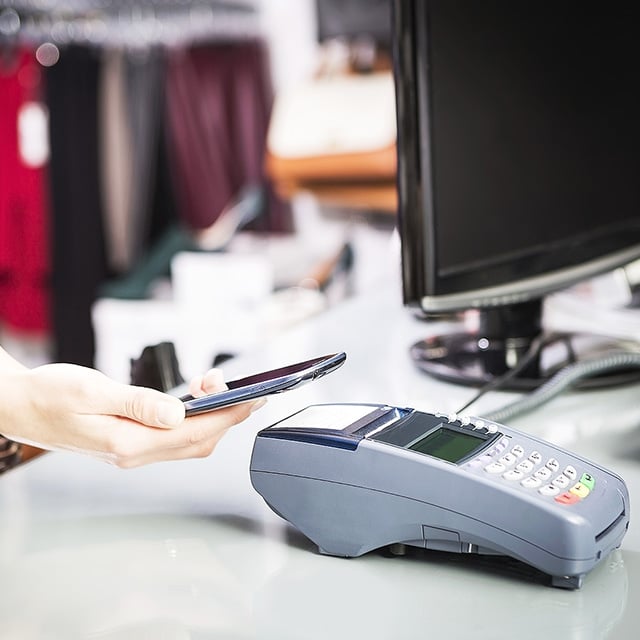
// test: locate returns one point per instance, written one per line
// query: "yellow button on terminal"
(580, 490)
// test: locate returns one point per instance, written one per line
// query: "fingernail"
(170, 414)
(214, 379)
(257, 404)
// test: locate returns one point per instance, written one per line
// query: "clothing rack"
(131, 141)
(124, 24)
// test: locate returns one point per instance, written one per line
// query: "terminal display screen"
(447, 444)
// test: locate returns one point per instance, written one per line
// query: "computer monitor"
(518, 166)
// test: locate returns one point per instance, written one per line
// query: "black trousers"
(77, 238)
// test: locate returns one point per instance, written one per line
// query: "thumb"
(150, 407)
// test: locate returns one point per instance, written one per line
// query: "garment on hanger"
(78, 253)
(24, 206)
(201, 109)
(130, 118)
(218, 104)
(115, 157)
(144, 77)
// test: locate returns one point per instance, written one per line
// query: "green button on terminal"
(588, 481)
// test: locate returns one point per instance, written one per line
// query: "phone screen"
(265, 383)
(291, 369)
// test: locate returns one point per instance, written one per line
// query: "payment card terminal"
(358, 477)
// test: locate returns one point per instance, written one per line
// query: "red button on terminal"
(567, 498)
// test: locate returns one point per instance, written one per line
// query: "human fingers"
(201, 428)
(199, 450)
(140, 404)
(66, 390)
(211, 382)
(196, 438)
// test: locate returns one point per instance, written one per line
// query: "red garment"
(24, 250)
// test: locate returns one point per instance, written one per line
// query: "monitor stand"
(505, 335)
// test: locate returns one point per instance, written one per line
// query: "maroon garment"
(219, 100)
(24, 207)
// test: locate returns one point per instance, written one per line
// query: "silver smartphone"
(265, 383)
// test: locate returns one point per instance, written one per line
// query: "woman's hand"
(68, 407)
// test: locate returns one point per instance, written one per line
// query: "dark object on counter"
(10, 454)
(157, 367)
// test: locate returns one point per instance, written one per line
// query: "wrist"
(13, 384)
(9, 363)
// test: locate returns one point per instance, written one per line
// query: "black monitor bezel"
(423, 286)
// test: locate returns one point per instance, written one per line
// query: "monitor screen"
(518, 148)
(353, 19)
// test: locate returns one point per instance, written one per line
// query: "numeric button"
(562, 482)
(508, 459)
(543, 473)
(531, 482)
(549, 490)
(535, 457)
(552, 464)
(518, 451)
(525, 466)
(513, 475)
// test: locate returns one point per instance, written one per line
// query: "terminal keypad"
(534, 472)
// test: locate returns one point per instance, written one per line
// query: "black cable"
(533, 352)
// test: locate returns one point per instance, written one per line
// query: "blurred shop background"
(181, 179)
